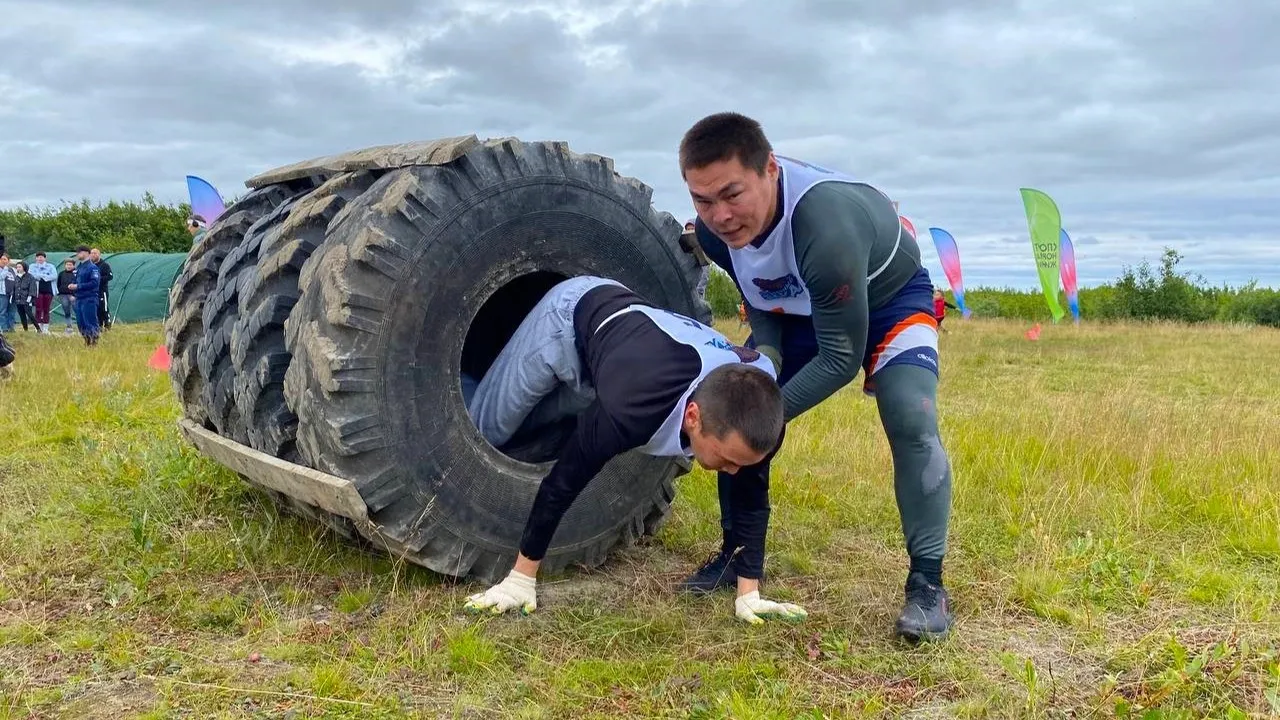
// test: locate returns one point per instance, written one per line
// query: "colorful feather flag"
(1045, 223)
(1067, 263)
(949, 256)
(205, 200)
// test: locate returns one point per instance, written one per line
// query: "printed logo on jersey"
(716, 342)
(787, 286)
(745, 354)
(685, 320)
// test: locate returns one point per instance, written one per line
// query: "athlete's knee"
(907, 400)
(908, 410)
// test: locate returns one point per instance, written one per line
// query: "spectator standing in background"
(67, 292)
(86, 285)
(104, 271)
(46, 276)
(8, 312)
(197, 226)
(24, 295)
(940, 305)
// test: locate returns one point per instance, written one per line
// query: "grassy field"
(1115, 548)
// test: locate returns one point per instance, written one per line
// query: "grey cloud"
(1150, 124)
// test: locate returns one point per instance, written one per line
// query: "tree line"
(116, 226)
(1140, 293)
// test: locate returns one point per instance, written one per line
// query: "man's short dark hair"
(743, 398)
(40, 254)
(724, 136)
(82, 248)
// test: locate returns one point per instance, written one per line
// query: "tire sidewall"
(541, 224)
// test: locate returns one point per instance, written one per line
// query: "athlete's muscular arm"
(833, 237)
(766, 328)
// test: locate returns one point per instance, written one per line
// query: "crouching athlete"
(639, 377)
(832, 282)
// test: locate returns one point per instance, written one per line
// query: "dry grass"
(1115, 548)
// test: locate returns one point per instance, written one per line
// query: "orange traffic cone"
(159, 359)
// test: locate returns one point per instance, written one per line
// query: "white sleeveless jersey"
(769, 275)
(713, 350)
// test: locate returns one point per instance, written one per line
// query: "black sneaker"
(926, 615)
(716, 573)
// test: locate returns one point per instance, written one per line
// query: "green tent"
(140, 282)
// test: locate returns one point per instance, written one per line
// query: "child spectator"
(67, 293)
(940, 305)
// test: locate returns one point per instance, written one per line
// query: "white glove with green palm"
(754, 609)
(516, 591)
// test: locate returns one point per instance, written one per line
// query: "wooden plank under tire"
(323, 490)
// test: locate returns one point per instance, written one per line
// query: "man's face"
(94, 255)
(728, 454)
(4, 261)
(83, 255)
(736, 203)
(68, 265)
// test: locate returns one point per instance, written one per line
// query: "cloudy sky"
(1152, 123)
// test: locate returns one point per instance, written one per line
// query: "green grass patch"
(1114, 551)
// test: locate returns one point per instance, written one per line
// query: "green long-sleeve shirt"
(842, 232)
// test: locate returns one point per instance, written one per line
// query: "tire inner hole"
(494, 325)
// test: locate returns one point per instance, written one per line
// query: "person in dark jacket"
(104, 270)
(67, 293)
(88, 279)
(24, 295)
(636, 377)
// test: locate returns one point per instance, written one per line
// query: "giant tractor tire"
(197, 281)
(338, 328)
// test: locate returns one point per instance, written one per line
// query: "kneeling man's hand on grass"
(754, 609)
(516, 591)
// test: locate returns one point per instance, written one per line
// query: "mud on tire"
(183, 326)
(258, 351)
(221, 311)
(425, 276)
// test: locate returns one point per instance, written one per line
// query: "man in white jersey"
(832, 282)
(638, 377)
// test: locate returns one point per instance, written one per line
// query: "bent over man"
(831, 283)
(643, 378)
